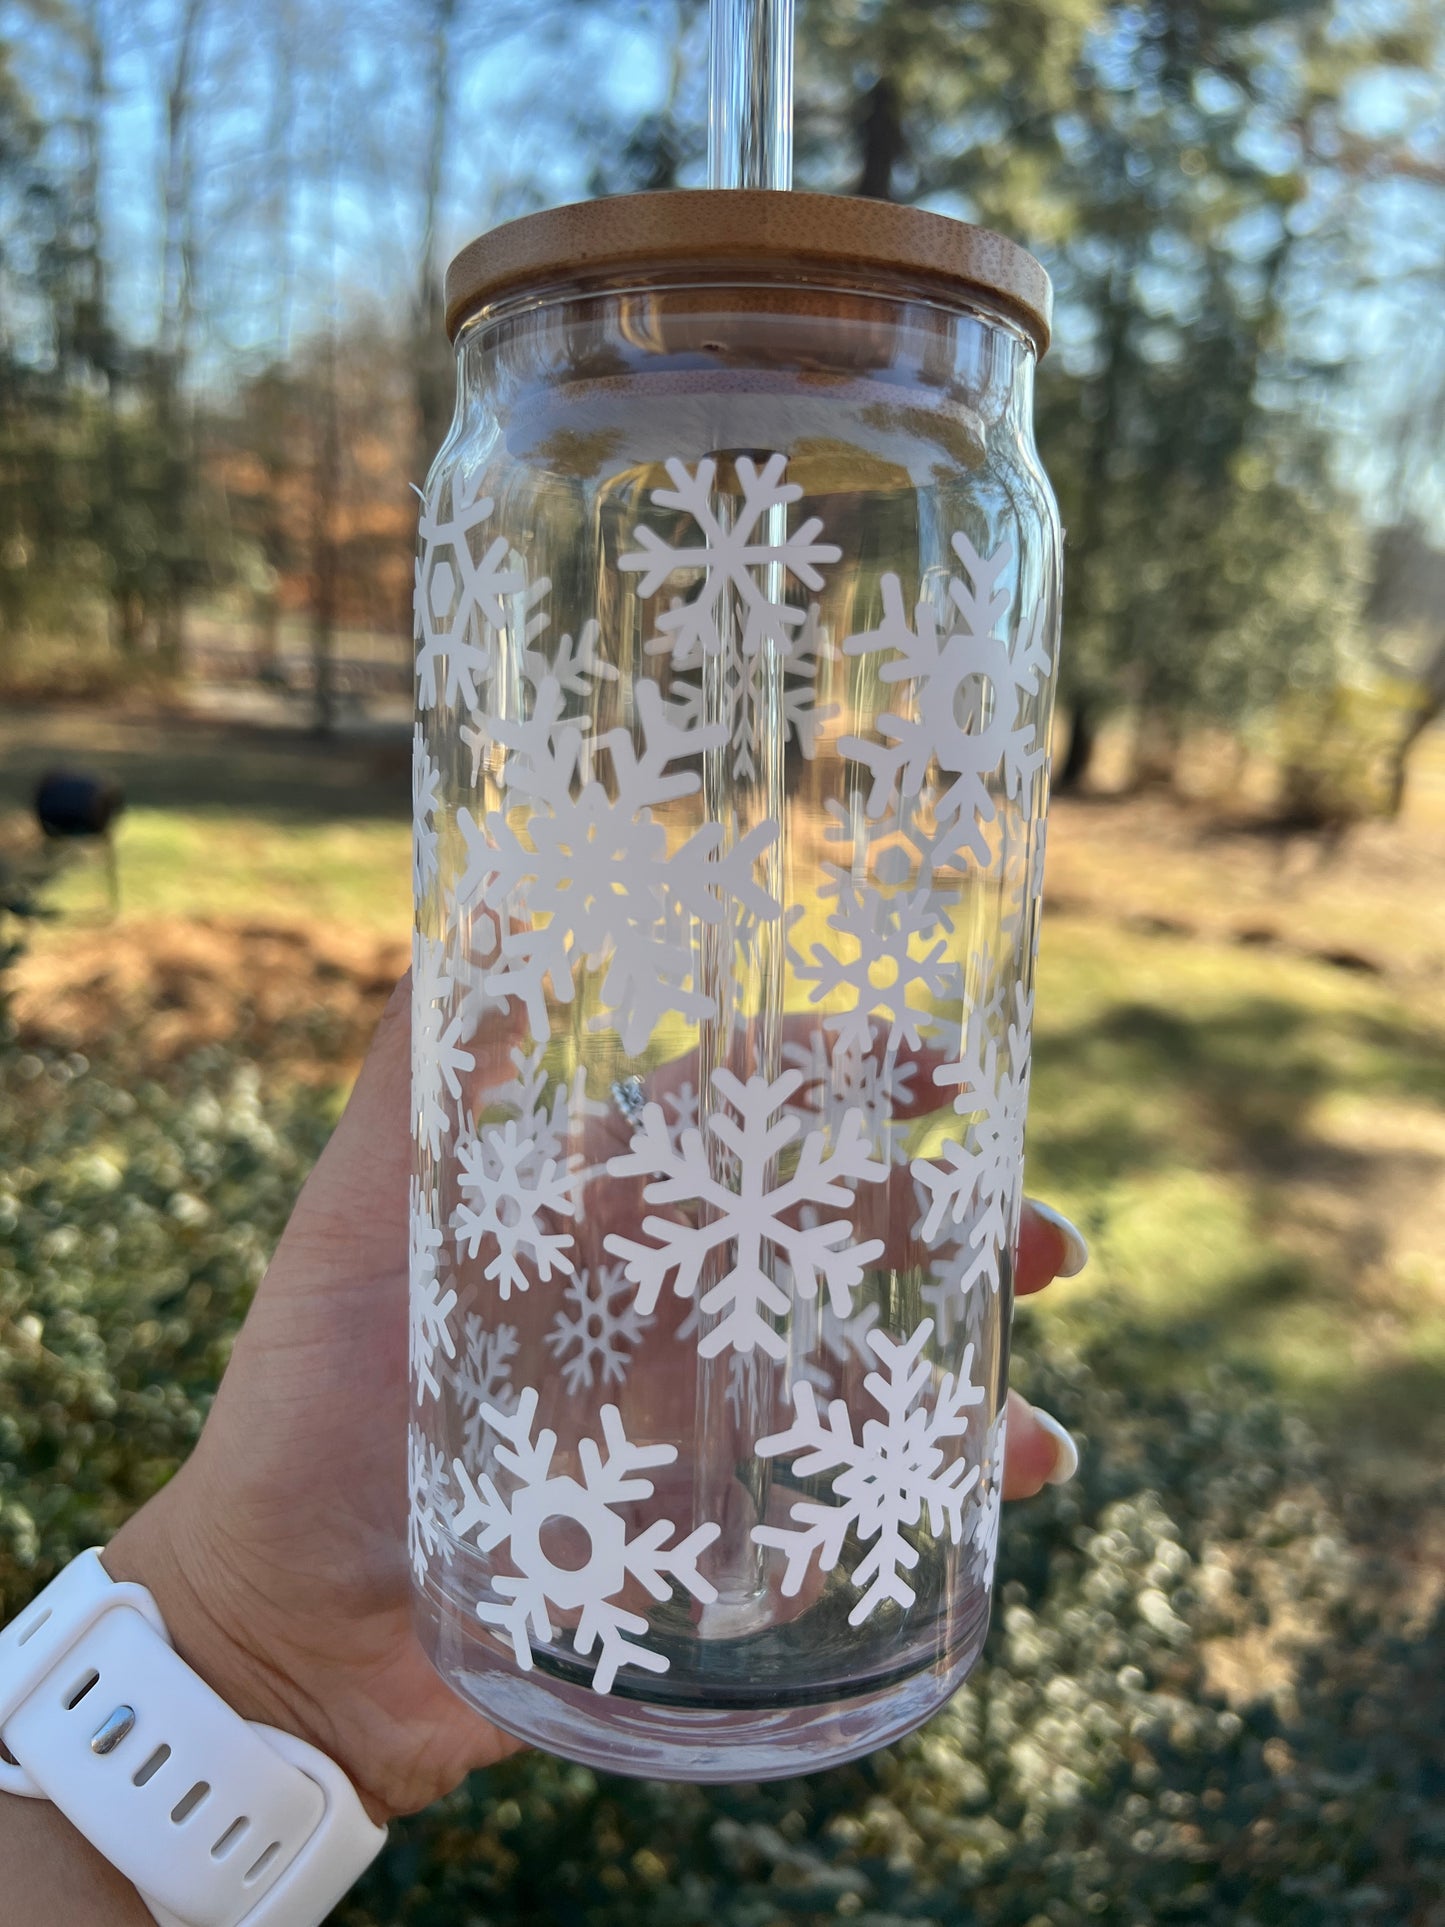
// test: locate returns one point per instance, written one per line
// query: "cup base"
(647, 1738)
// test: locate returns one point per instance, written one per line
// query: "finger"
(1049, 1247)
(1038, 1450)
(361, 1177)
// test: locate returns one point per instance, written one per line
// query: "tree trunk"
(1073, 773)
(1158, 739)
(434, 375)
(880, 131)
(178, 275)
(1428, 710)
(326, 489)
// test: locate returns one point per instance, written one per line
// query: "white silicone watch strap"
(218, 1822)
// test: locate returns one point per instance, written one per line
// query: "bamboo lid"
(718, 231)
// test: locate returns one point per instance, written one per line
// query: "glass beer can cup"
(737, 603)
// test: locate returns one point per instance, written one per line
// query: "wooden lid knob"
(719, 232)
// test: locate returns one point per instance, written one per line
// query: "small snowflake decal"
(542, 1497)
(431, 1307)
(982, 1173)
(425, 786)
(548, 1115)
(593, 1336)
(843, 1077)
(748, 698)
(1026, 895)
(458, 597)
(968, 687)
(883, 1480)
(437, 1056)
(428, 1507)
(511, 1194)
(734, 548)
(891, 959)
(835, 1346)
(483, 1376)
(755, 1214)
(984, 1514)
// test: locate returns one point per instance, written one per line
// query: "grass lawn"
(1253, 1137)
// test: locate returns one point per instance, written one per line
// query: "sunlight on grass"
(1186, 1110)
(183, 865)
(1248, 1138)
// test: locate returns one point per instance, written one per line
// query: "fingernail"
(1076, 1245)
(1066, 1453)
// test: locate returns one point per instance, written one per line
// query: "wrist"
(234, 1641)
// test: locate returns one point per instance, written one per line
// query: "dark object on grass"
(68, 804)
(71, 807)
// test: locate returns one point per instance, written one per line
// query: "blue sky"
(351, 121)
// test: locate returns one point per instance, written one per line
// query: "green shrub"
(1092, 1770)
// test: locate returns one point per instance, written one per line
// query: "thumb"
(358, 1188)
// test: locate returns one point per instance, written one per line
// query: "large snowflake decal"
(895, 961)
(980, 1179)
(431, 1307)
(593, 1335)
(511, 1196)
(968, 688)
(437, 1056)
(591, 1506)
(458, 596)
(589, 877)
(483, 1377)
(883, 1480)
(753, 691)
(425, 787)
(428, 1503)
(751, 1220)
(735, 546)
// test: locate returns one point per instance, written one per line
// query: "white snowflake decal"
(458, 597)
(431, 1307)
(425, 787)
(733, 548)
(589, 877)
(985, 1513)
(968, 687)
(828, 1352)
(428, 1507)
(512, 1193)
(950, 1289)
(548, 1114)
(684, 1105)
(843, 1077)
(883, 1480)
(897, 961)
(542, 1497)
(750, 1214)
(981, 1178)
(749, 702)
(483, 1376)
(572, 667)
(1027, 893)
(593, 1336)
(437, 1056)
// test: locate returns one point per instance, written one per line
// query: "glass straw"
(750, 144)
(750, 94)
